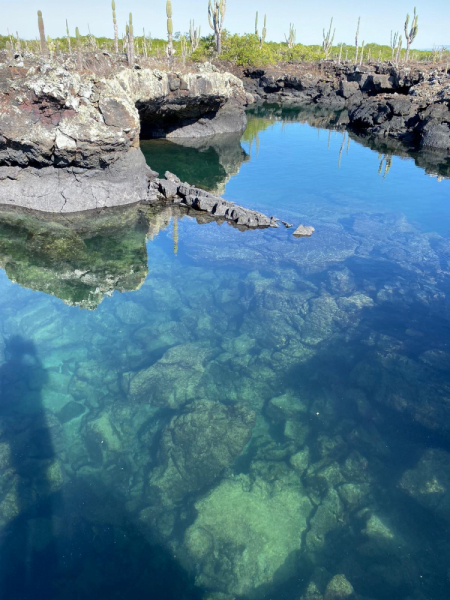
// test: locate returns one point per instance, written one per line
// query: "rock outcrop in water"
(69, 140)
(402, 103)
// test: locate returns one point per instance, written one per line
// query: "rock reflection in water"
(435, 164)
(205, 162)
(83, 257)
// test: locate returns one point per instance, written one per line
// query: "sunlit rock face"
(83, 260)
(69, 139)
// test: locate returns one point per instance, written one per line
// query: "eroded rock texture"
(401, 103)
(69, 140)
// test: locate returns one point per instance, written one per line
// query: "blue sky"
(309, 18)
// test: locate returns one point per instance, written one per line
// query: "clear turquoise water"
(191, 411)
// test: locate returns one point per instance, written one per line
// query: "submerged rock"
(197, 446)
(173, 380)
(246, 535)
(429, 482)
(338, 588)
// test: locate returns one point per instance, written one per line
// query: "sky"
(309, 18)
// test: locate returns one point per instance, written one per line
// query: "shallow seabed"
(189, 411)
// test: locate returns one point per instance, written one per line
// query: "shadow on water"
(25, 484)
(64, 537)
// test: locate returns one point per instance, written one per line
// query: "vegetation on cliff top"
(250, 49)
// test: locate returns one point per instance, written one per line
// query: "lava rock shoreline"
(69, 137)
(410, 104)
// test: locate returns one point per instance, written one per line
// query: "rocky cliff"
(407, 104)
(69, 139)
(70, 132)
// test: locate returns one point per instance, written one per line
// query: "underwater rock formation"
(429, 482)
(247, 534)
(196, 447)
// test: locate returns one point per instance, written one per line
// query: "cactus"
(362, 54)
(194, 35)
(327, 43)
(340, 53)
(256, 25)
(77, 38)
(356, 40)
(44, 49)
(410, 37)
(130, 36)
(144, 43)
(169, 48)
(183, 49)
(216, 15)
(69, 45)
(290, 40)
(394, 39)
(18, 45)
(116, 35)
(399, 49)
(9, 49)
(262, 38)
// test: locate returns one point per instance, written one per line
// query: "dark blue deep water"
(189, 411)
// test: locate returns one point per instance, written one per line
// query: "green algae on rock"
(197, 446)
(247, 534)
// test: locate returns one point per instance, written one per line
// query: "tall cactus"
(69, 45)
(262, 38)
(194, 35)
(216, 15)
(256, 25)
(290, 39)
(44, 48)
(411, 35)
(328, 39)
(170, 51)
(130, 42)
(116, 35)
(77, 38)
(356, 40)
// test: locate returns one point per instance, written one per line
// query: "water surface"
(192, 411)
